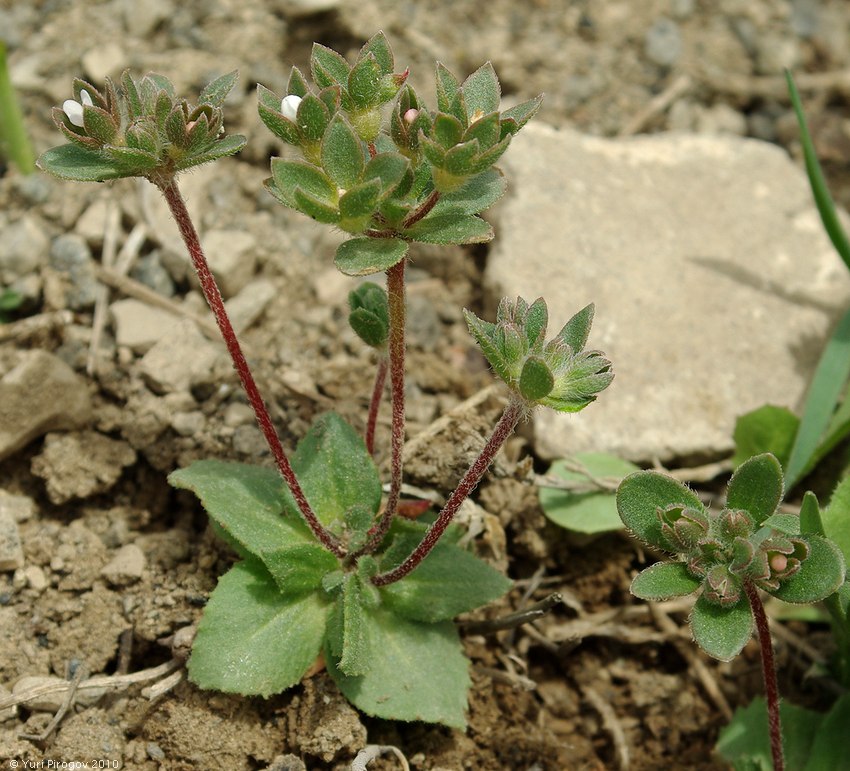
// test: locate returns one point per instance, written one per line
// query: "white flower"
(289, 106)
(74, 110)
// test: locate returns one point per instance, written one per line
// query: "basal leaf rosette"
(559, 374)
(718, 552)
(394, 651)
(139, 128)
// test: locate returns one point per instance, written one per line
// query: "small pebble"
(663, 42)
(11, 551)
(126, 567)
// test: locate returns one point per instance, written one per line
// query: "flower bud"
(74, 110)
(289, 107)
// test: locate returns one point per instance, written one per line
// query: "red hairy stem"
(768, 667)
(212, 294)
(423, 211)
(504, 428)
(375, 404)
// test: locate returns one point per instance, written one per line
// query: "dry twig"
(373, 752)
(611, 724)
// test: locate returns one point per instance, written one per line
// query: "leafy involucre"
(252, 639)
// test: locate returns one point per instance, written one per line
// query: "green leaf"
(356, 650)
(747, 737)
(449, 581)
(363, 256)
(664, 580)
(360, 201)
(585, 512)
(75, 163)
(133, 161)
(390, 168)
(313, 117)
(369, 316)
(722, 632)
(246, 502)
(483, 332)
(485, 130)
(447, 130)
(641, 494)
(447, 90)
(296, 84)
(535, 380)
(419, 674)
(829, 749)
(328, 67)
(216, 92)
(229, 145)
(820, 574)
(536, 321)
(300, 568)
(836, 518)
(460, 160)
(99, 125)
(453, 228)
(516, 117)
(379, 47)
(314, 207)
(810, 515)
(252, 639)
(288, 176)
(756, 487)
(767, 429)
(576, 331)
(364, 82)
(827, 385)
(342, 153)
(268, 107)
(481, 91)
(335, 470)
(477, 194)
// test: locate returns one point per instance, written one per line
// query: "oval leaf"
(756, 487)
(78, 164)
(664, 580)
(363, 256)
(821, 573)
(722, 632)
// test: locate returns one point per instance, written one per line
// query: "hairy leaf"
(363, 256)
(756, 487)
(664, 580)
(820, 574)
(722, 632)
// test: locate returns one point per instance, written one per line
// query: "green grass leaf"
(364, 256)
(252, 639)
(420, 672)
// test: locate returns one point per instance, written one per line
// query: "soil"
(115, 562)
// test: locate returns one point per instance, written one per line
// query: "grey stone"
(183, 360)
(39, 393)
(249, 440)
(714, 284)
(150, 271)
(143, 18)
(23, 249)
(138, 325)
(663, 42)
(70, 254)
(188, 423)
(102, 61)
(231, 257)
(92, 222)
(126, 567)
(11, 551)
(249, 304)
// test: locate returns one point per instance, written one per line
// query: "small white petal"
(289, 106)
(85, 98)
(74, 111)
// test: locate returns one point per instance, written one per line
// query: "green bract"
(719, 552)
(557, 374)
(139, 129)
(393, 651)
(423, 177)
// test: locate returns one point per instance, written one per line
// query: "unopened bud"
(289, 106)
(411, 115)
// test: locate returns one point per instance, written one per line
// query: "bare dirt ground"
(114, 561)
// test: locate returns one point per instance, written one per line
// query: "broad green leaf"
(756, 487)
(829, 749)
(536, 321)
(369, 316)
(460, 160)
(252, 639)
(420, 672)
(342, 153)
(317, 208)
(75, 163)
(356, 650)
(766, 429)
(246, 502)
(747, 737)
(390, 168)
(300, 568)
(486, 131)
(836, 518)
(594, 511)
(576, 331)
(639, 497)
(449, 581)
(364, 82)
(98, 124)
(664, 580)
(328, 67)
(820, 574)
(216, 92)
(135, 162)
(488, 157)
(291, 175)
(360, 201)
(789, 524)
(453, 228)
(828, 383)
(363, 256)
(313, 117)
(722, 632)
(477, 194)
(335, 470)
(447, 130)
(481, 91)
